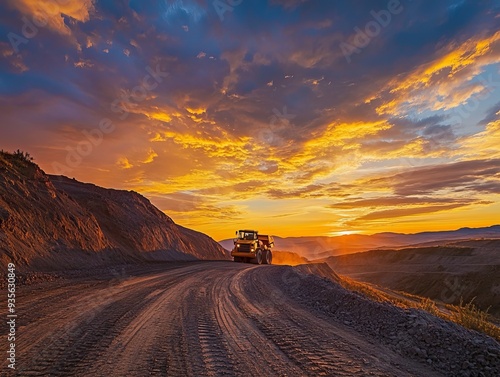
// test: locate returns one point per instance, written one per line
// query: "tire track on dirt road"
(198, 319)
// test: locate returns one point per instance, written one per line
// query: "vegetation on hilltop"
(16, 155)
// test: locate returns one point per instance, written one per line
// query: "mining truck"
(252, 247)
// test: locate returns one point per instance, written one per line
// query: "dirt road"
(194, 319)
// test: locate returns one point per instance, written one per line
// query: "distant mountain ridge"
(312, 247)
(53, 222)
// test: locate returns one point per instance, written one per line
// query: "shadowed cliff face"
(52, 222)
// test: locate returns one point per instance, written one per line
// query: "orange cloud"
(196, 111)
(124, 163)
(445, 82)
(402, 212)
(151, 155)
(484, 144)
(164, 117)
(79, 10)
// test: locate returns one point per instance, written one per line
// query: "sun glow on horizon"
(344, 233)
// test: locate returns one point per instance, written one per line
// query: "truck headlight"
(251, 249)
(238, 245)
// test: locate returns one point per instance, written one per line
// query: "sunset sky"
(295, 117)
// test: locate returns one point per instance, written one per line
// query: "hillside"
(50, 222)
(446, 273)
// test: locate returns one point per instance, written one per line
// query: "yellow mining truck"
(252, 247)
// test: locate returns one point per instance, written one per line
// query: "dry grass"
(20, 155)
(429, 306)
(4, 159)
(466, 315)
(470, 316)
(371, 292)
(18, 161)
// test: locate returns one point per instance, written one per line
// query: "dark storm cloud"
(459, 176)
(394, 201)
(311, 191)
(393, 213)
(492, 114)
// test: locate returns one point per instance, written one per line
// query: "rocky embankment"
(52, 222)
(446, 347)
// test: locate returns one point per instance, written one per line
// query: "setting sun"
(345, 233)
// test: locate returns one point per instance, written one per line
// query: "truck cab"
(250, 246)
